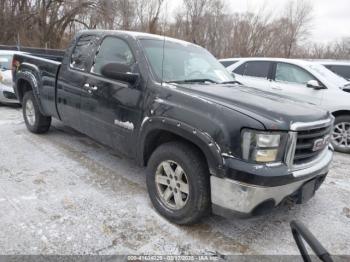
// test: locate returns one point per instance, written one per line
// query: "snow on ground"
(63, 193)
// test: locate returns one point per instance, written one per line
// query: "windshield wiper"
(199, 80)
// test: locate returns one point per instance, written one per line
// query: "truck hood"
(274, 111)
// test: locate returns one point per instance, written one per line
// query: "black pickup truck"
(210, 144)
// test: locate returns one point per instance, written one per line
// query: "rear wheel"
(341, 134)
(178, 183)
(35, 121)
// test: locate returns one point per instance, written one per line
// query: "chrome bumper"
(243, 198)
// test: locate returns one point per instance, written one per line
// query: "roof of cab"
(136, 35)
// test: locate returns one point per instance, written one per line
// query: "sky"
(331, 18)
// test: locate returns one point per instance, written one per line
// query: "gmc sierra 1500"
(210, 144)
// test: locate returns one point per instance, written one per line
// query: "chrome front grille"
(301, 151)
(305, 150)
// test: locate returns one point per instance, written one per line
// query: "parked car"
(341, 68)
(7, 94)
(302, 80)
(209, 143)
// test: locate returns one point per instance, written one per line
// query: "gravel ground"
(63, 193)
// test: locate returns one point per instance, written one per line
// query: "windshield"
(322, 71)
(5, 62)
(184, 62)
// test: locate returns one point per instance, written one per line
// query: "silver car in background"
(7, 94)
(302, 80)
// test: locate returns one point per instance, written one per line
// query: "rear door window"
(254, 68)
(240, 70)
(292, 74)
(83, 52)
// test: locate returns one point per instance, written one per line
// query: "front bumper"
(232, 196)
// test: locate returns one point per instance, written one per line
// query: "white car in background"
(304, 80)
(7, 94)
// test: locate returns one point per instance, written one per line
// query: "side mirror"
(119, 72)
(301, 234)
(314, 84)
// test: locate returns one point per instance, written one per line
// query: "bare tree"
(294, 26)
(52, 23)
(148, 13)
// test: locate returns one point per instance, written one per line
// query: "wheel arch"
(28, 80)
(156, 131)
(341, 113)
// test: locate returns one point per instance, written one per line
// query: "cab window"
(82, 52)
(112, 49)
(292, 74)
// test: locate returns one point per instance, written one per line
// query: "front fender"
(201, 139)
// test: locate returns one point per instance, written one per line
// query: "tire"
(196, 203)
(35, 121)
(341, 134)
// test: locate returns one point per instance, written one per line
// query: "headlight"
(262, 147)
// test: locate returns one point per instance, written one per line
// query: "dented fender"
(202, 140)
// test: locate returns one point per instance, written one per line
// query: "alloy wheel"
(341, 135)
(30, 112)
(172, 184)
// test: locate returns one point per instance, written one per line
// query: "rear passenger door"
(254, 74)
(292, 79)
(111, 109)
(72, 77)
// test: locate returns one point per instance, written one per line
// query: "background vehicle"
(209, 143)
(303, 80)
(7, 94)
(341, 68)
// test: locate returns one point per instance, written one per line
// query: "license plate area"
(307, 191)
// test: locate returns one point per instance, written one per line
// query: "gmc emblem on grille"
(321, 143)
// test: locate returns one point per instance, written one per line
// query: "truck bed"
(52, 54)
(42, 73)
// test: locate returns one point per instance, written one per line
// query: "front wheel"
(178, 183)
(341, 134)
(35, 121)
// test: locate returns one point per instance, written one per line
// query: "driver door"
(291, 80)
(111, 109)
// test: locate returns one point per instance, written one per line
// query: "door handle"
(90, 88)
